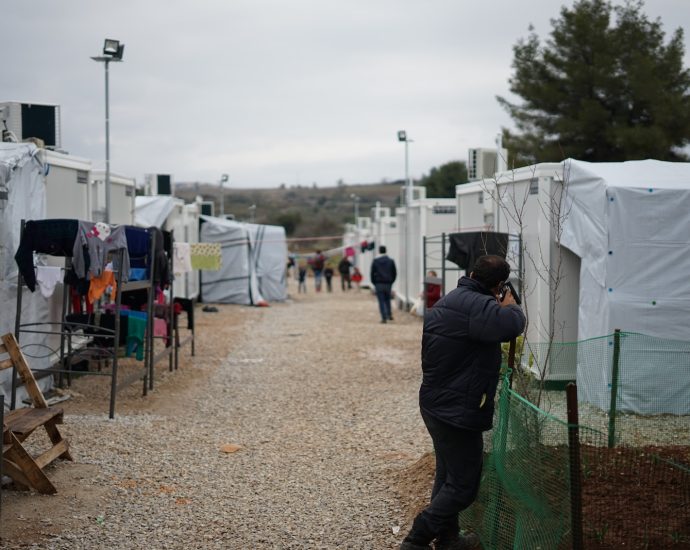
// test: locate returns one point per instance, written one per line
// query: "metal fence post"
(575, 469)
(615, 368)
(443, 264)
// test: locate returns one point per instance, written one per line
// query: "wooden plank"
(3, 349)
(27, 422)
(6, 364)
(23, 460)
(24, 371)
(9, 469)
(46, 458)
(56, 437)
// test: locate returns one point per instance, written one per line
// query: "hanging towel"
(205, 256)
(182, 259)
(47, 278)
(99, 239)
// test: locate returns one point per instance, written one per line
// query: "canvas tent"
(625, 237)
(23, 197)
(254, 260)
(630, 225)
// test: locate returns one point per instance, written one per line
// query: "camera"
(508, 285)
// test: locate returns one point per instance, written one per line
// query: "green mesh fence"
(634, 387)
(635, 495)
(524, 499)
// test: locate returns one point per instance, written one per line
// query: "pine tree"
(604, 87)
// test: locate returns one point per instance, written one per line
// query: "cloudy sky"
(273, 91)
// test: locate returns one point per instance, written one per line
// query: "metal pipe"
(107, 142)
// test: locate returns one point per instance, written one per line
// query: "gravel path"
(321, 399)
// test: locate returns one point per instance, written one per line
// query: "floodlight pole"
(223, 179)
(402, 136)
(106, 62)
(112, 51)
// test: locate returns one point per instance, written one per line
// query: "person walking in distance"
(317, 263)
(383, 274)
(461, 359)
(302, 278)
(344, 267)
(328, 275)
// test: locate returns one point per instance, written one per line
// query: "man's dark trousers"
(383, 293)
(459, 455)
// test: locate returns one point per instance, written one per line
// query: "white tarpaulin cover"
(247, 255)
(630, 225)
(153, 211)
(269, 255)
(21, 176)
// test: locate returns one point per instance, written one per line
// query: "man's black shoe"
(383, 320)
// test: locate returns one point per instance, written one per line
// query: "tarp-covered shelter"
(623, 259)
(253, 262)
(629, 223)
(23, 197)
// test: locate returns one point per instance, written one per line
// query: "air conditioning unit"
(484, 163)
(158, 184)
(31, 120)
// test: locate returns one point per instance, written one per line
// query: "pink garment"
(349, 252)
(160, 327)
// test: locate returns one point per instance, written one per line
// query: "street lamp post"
(252, 212)
(356, 200)
(223, 179)
(112, 51)
(402, 136)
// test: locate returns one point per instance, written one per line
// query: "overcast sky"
(273, 91)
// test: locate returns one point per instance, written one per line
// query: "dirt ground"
(28, 517)
(32, 520)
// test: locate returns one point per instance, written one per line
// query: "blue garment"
(383, 294)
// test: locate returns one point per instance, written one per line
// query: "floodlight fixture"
(113, 49)
(402, 135)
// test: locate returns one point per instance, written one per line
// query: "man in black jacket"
(383, 274)
(461, 358)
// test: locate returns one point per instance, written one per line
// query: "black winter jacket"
(383, 270)
(461, 354)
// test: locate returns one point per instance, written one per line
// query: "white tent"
(630, 225)
(254, 259)
(23, 197)
(269, 255)
(624, 260)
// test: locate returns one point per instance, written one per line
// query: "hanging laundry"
(182, 259)
(350, 252)
(205, 256)
(136, 332)
(55, 237)
(99, 285)
(465, 248)
(371, 245)
(99, 239)
(160, 328)
(47, 278)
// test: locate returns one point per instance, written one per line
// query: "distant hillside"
(303, 211)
